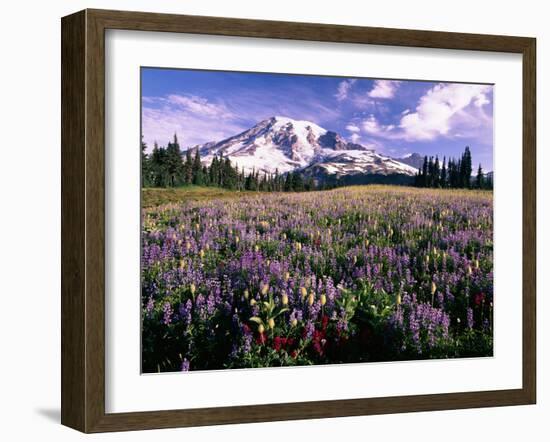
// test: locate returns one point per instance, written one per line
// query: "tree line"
(165, 167)
(452, 173)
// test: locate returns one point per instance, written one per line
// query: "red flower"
(319, 342)
(479, 298)
(294, 354)
(261, 339)
(278, 343)
(324, 322)
(319, 334)
(282, 343)
(318, 346)
(246, 329)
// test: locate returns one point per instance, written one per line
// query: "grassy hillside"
(157, 196)
(152, 197)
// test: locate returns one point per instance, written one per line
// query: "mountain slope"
(414, 160)
(285, 145)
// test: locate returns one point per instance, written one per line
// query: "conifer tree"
(424, 179)
(479, 177)
(288, 183)
(443, 179)
(188, 168)
(466, 168)
(196, 169)
(436, 173)
(145, 166)
(451, 173)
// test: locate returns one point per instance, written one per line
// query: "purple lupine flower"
(168, 311)
(295, 315)
(210, 305)
(314, 310)
(470, 318)
(150, 306)
(185, 365)
(247, 343)
(342, 325)
(309, 329)
(185, 311)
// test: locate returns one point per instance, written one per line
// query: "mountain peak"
(281, 121)
(283, 144)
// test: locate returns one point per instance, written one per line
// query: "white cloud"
(443, 108)
(481, 100)
(194, 119)
(344, 88)
(384, 89)
(373, 127)
(353, 128)
(199, 106)
(446, 110)
(355, 137)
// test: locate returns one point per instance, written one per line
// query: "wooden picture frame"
(83, 220)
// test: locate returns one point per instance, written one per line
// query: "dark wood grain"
(145, 21)
(529, 221)
(95, 221)
(83, 220)
(73, 253)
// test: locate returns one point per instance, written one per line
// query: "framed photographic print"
(268, 220)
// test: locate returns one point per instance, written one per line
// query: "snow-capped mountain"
(413, 159)
(285, 145)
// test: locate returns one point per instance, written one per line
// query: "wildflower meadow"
(350, 275)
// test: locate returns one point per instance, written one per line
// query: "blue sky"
(394, 117)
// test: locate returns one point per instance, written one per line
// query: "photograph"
(302, 220)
